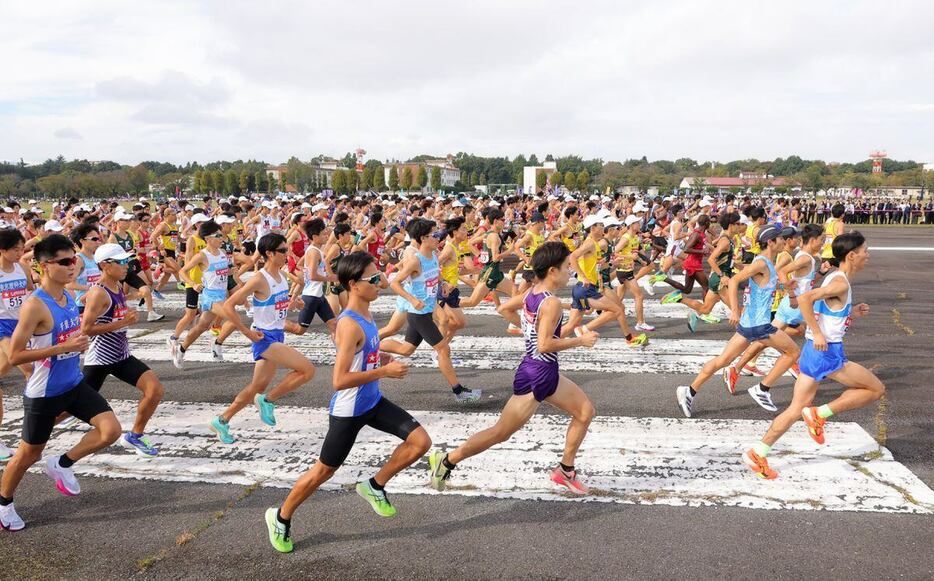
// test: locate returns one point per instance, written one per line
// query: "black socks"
(374, 485)
(287, 522)
(457, 389)
(567, 469)
(764, 387)
(447, 464)
(691, 390)
(4, 501)
(65, 462)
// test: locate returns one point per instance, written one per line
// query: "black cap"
(537, 217)
(768, 232)
(789, 232)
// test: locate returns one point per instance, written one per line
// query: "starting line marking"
(610, 355)
(904, 248)
(678, 462)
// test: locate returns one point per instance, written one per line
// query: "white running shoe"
(173, 345)
(647, 286)
(685, 400)
(9, 520)
(763, 398)
(154, 316)
(644, 327)
(64, 478)
(217, 351)
(178, 358)
(5, 452)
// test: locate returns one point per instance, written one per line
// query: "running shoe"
(657, 278)
(141, 308)
(180, 286)
(794, 370)
(172, 343)
(153, 316)
(488, 298)
(815, 423)
(710, 319)
(139, 444)
(222, 429)
(5, 453)
(217, 351)
(68, 422)
(692, 322)
(685, 400)
(9, 520)
(178, 358)
(644, 327)
(579, 331)
(279, 536)
(640, 340)
(468, 395)
(730, 377)
(64, 478)
(158, 295)
(672, 297)
(376, 498)
(437, 472)
(751, 369)
(513, 330)
(569, 481)
(267, 409)
(762, 397)
(646, 283)
(759, 465)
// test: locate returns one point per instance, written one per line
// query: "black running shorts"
(422, 327)
(128, 371)
(385, 416)
(39, 413)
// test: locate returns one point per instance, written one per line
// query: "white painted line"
(904, 248)
(627, 460)
(610, 355)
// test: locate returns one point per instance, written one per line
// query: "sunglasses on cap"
(69, 261)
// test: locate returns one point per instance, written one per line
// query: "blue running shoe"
(158, 295)
(222, 429)
(692, 322)
(139, 444)
(267, 409)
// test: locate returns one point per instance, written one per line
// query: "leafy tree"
(407, 178)
(421, 176)
(541, 180)
(570, 181)
(436, 178)
(231, 183)
(245, 182)
(337, 181)
(217, 181)
(393, 178)
(379, 178)
(138, 178)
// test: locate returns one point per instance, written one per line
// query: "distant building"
(450, 175)
(530, 175)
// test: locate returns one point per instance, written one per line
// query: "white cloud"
(710, 80)
(67, 133)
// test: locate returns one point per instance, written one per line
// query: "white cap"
(704, 203)
(319, 206)
(611, 221)
(225, 219)
(189, 207)
(342, 197)
(493, 204)
(591, 220)
(53, 226)
(33, 202)
(594, 197)
(605, 213)
(639, 207)
(569, 198)
(143, 199)
(198, 218)
(457, 204)
(243, 199)
(173, 199)
(552, 197)
(120, 215)
(110, 251)
(744, 219)
(7, 209)
(630, 220)
(23, 211)
(305, 205)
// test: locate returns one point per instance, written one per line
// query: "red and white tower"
(360, 153)
(877, 156)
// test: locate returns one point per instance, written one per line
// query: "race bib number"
(13, 298)
(484, 257)
(431, 287)
(746, 294)
(282, 306)
(63, 336)
(222, 274)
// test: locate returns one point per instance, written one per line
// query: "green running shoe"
(672, 297)
(222, 429)
(658, 277)
(437, 471)
(376, 498)
(279, 537)
(639, 340)
(267, 409)
(692, 321)
(710, 319)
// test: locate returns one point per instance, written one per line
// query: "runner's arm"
(836, 288)
(549, 313)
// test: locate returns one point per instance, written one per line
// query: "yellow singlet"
(195, 273)
(826, 250)
(588, 264)
(450, 271)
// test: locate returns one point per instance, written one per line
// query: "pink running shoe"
(559, 477)
(753, 370)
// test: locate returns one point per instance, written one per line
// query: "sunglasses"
(281, 250)
(218, 235)
(96, 239)
(374, 280)
(70, 261)
(121, 262)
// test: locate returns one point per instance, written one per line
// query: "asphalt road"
(163, 530)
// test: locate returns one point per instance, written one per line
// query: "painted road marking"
(904, 248)
(610, 355)
(666, 461)
(386, 305)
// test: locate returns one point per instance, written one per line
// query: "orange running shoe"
(751, 369)
(815, 423)
(730, 377)
(759, 465)
(488, 298)
(794, 370)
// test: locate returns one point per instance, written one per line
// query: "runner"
(628, 250)
(122, 236)
(88, 239)
(421, 271)
(537, 378)
(753, 325)
(214, 265)
(358, 368)
(15, 288)
(833, 227)
(105, 320)
(48, 336)
(827, 310)
(270, 292)
(316, 273)
(491, 280)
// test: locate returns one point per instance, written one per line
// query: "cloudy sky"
(178, 81)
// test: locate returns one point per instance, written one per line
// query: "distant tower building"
(360, 153)
(877, 156)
